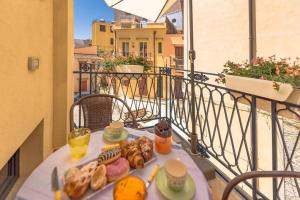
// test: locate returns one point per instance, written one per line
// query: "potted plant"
(270, 78)
(130, 64)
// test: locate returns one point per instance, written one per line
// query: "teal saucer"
(109, 137)
(187, 192)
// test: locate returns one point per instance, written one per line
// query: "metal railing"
(235, 131)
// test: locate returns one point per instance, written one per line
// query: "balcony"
(234, 135)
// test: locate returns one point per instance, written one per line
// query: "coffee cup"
(176, 174)
(115, 129)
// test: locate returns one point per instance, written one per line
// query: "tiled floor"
(217, 186)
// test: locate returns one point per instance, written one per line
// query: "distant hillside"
(79, 43)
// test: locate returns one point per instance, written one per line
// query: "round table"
(38, 184)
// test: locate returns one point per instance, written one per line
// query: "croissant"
(146, 146)
(138, 162)
(137, 152)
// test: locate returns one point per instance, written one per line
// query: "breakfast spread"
(130, 188)
(113, 163)
(117, 161)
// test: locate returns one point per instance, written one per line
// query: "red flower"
(289, 69)
(277, 71)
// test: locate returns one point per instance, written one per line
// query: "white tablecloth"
(38, 184)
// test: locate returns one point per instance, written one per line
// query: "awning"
(149, 9)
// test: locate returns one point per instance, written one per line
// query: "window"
(174, 20)
(126, 25)
(143, 49)
(159, 47)
(111, 41)
(125, 49)
(102, 28)
(179, 57)
(111, 29)
(9, 174)
(84, 85)
(143, 86)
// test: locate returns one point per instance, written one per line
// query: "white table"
(38, 184)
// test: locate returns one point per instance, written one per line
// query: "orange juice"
(163, 145)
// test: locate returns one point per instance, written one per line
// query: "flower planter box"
(264, 88)
(129, 68)
(125, 83)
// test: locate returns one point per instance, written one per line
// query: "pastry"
(137, 152)
(146, 146)
(89, 168)
(136, 160)
(70, 173)
(109, 156)
(99, 179)
(77, 185)
(109, 147)
(117, 169)
(130, 150)
(130, 188)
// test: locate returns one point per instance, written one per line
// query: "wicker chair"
(257, 174)
(98, 110)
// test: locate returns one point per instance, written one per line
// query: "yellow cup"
(78, 141)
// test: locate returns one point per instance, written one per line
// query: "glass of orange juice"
(78, 141)
(163, 137)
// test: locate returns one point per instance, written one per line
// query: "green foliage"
(266, 69)
(130, 60)
(100, 52)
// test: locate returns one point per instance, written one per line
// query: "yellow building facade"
(35, 104)
(141, 40)
(103, 36)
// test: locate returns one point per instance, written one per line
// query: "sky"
(85, 11)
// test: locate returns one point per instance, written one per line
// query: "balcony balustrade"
(232, 132)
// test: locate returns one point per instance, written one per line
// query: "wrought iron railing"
(234, 130)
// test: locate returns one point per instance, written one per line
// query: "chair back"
(257, 174)
(98, 110)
